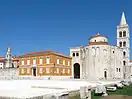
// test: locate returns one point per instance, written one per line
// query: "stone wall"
(9, 72)
(13, 74)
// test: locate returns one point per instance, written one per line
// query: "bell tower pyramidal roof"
(123, 19)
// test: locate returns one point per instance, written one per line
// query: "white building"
(99, 60)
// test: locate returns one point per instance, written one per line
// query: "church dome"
(98, 40)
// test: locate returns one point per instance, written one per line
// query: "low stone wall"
(13, 74)
(9, 72)
(38, 97)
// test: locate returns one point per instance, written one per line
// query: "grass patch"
(75, 97)
(94, 97)
(127, 90)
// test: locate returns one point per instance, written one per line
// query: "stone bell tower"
(123, 41)
(8, 58)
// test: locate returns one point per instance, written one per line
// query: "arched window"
(124, 63)
(116, 69)
(77, 54)
(119, 69)
(73, 54)
(105, 74)
(105, 52)
(113, 51)
(124, 33)
(97, 51)
(124, 54)
(93, 51)
(124, 44)
(120, 34)
(120, 43)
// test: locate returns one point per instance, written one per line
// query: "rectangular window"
(34, 61)
(28, 62)
(119, 70)
(41, 70)
(28, 70)
(57, 70)
(63, 62)
(68, 63)
(40, 60)
(116, 69)
(120, 34)
(54, 70)
(23, 61)
(124, 33)
(58, 60)
(68, 71)
(124, 63)
(63, 71)
(22, 70)
(47, 60)
(47, 70)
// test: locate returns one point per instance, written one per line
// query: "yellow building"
(46, 63)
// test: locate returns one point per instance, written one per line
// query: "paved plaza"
(33, 88)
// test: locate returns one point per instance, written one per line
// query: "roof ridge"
(39, 52)
(62, 54)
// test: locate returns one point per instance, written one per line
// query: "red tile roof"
(45, 52)
(15, 58)
(37, 53)
(2, 60)
(98, 43)
(57, 53)
(131, 61)
(97, 35)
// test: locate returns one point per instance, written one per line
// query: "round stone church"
(99, 60)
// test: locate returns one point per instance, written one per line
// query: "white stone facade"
(1, 65)
(99, 60)
(123, 40)
(94, 60)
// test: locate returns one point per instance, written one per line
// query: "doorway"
(76, 71)
(34, 71)
(105, 74)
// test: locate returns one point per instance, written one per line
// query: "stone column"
(83, 92)
(89, 93)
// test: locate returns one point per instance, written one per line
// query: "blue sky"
(37, 25)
